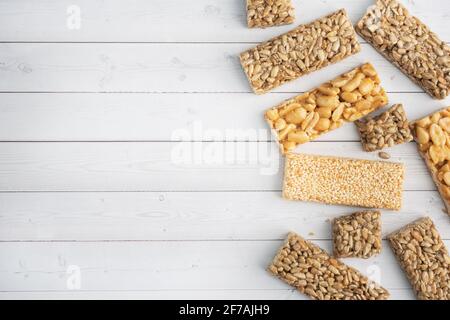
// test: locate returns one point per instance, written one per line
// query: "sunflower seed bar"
(344, 99)
(432, 135)
(303, 50)
(357, 235)
(313, 272)
(353, 182)
(424, 258)
(386, 130)
(267, 13)
(409, 44)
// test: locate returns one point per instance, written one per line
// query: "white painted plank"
(171, 166)
(172, 20)
(158, 117)
(186, 216)
(198, 265)
(149, 67)
(278, 294)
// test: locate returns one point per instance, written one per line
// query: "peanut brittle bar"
(353, 182)
(267, 13)
(409, 44)
(386, 130)
(422, 255)
(357, 235)
(303, 50)
(313, 272)
(344, 99)
(432, 135)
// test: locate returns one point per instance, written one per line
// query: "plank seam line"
(165, 240)
(145, 42)
(175, 92)
(165, 191)
(168, 290)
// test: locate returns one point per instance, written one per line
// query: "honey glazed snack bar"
(267, 13)
(422, 255)
(432, 135)
(344, 99)
(353, 182)
(385, 130)
(409, 44)
(303, 50)
(313, 272)
(357, 235)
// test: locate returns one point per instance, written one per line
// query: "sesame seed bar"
(313, 272)
(303, 50)
(422, 255)
(353, 182)
(357, 235)
(344, 99)
(409, 44)
(386, 130)
(267, 13)
(432, 135)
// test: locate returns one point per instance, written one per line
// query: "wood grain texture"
(160, 117)
(172, 166)
(103, 216)
(176, 265)
(219, 294)
(150, 67)
(93, 175)
(174, 20)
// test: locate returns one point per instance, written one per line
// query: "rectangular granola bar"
(303, 50)
(385, 130)
(422, 255)
(353, 182)
(344, 99)
(409, 44)
(357, 235)
(313, 272)
(267, 13)
(432, 136)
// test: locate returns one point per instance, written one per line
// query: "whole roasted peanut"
(354, 83)
(272, 114)
(286, 109)
(323, 124)
(328, 101)
(447, 178)
(324, 112)
(313, 122)
(422, 135)
(368, 70)
(307, 120)
(340, 82)
(435, 118)
(349, 97)
(363, 105)
(280, 124)
(296, 116)
(436, 154)
(329, 91)
(437, 135)
(366, 86)
(309, 107)
(289, 145)
(286, 131)
(338, 112)
(424, 123)
(445, 124)
(298, 137)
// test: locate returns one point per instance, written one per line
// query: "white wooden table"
(98, 197)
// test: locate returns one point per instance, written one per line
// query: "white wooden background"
(87, 172)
